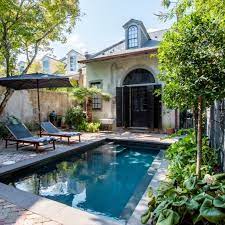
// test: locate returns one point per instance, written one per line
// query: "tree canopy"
(28, 26)
(192, 61)
(192, 64)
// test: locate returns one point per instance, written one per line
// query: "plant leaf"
(162, 206)
(219, 202)
(210, 213)
(145, 217)
(202, 196)
(180, 201)
(168, 217)
(192, 205)
(190, 183)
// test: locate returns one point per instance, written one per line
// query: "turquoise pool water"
(100, 181)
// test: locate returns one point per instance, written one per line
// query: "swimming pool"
(102, 181)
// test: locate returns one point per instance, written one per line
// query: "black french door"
(138, 107)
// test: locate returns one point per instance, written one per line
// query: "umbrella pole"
(39, 108)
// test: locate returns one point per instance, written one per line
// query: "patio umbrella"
(35, 81)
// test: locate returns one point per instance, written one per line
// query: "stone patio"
(11, 155)
(11, 213)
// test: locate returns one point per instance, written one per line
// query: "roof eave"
(124, 55)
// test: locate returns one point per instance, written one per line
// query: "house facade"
(68, 65)
(128, 70)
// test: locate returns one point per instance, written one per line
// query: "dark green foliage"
(184, 199)
(197, 201)
(182, 158)
(3, 131)
(180, 132)
(32, 126)
(75, 117)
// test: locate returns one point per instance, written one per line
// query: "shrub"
(182, 158)
(196, 202)
(184, 199)
(3, 131)
(75, 117)
(89, 127)
(93, 127)
(32, 126)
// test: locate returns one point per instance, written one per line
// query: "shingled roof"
(118, 50)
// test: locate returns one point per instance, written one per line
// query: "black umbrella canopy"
(35, 81)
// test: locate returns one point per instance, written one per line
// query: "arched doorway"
(137, 106)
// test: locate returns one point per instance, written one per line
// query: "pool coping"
(142, 206)
(53, 210)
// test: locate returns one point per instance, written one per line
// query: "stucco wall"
(23, 104)
(112, 74)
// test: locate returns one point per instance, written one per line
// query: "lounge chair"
(21, 135)
(51, 130)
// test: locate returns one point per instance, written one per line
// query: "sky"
(101, 23)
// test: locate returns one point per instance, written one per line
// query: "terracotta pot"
(170, 131)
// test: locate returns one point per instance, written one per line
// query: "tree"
(28, 26)
(180, 8)
(85, 95)
(175, 9)
(35, 67)
(192, 61)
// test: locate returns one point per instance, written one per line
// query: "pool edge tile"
(142, 206)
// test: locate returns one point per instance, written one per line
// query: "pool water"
(100, 181)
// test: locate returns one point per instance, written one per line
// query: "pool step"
(119, 149)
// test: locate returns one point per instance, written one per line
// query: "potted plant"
(170, 130)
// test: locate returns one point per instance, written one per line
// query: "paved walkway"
(12, 214)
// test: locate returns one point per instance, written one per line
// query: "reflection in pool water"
(100, 181)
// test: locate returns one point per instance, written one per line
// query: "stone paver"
(11, 155)
(11, 214)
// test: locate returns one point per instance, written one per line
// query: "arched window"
(133, 37)
(139, 76)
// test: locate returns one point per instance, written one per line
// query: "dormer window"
(73, 63)
(132, 36)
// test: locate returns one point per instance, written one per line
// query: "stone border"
(142, 206)
(59, 212)
(52, 210)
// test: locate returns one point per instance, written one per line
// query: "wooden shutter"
(150, 100)
(119, 106)
(126, 106)
(158, 109)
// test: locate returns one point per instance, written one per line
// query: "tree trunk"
(6, 98)
(199, 137)
(89, 110)
(195, 122)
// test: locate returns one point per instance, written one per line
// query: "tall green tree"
(29, 26)
(192, 64)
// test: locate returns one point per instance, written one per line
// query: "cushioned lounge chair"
(51, 130)
(21, 135)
